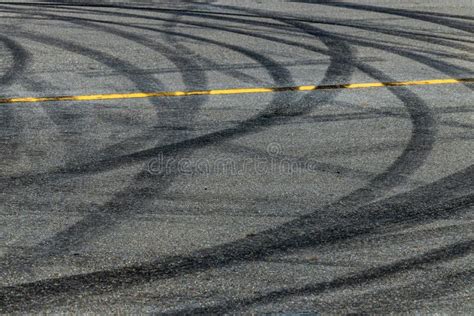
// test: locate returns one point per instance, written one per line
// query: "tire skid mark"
(143, 185)
(94, 223)
(209, 63)
(403, 52)
(107, 164)
(208, 258)
(439, 19)
(232, 16)
(113, 61)
(433, 257)
(100, 57)
(329, 81)
(405, 34)
(441, 40)
(277, 77)
(441, 66)
(399, 209)
(423, 132)
(411, 297)
(343, 54)
(277, 73)
(335, 59)
(408, 53)
(20, 60)
(144, 154)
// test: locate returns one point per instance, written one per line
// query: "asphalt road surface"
(285, 200)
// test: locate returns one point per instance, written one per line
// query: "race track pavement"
(236, 156)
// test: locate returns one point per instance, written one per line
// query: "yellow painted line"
(141, 95)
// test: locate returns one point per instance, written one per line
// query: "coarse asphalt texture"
(294, 202)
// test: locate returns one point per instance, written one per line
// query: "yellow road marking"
(141, 95)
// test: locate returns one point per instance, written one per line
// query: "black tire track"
(434, 257)
(335, 72)
(262, 119)
(442, 66)
(441, 40)
(424, 126)
(423, 132)
(95, 223)
(97, 219)
(435, 18)
(420, 205)
(20, 59)
(336, 59)
(274, 108)
(144, 185)
(409, 35)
